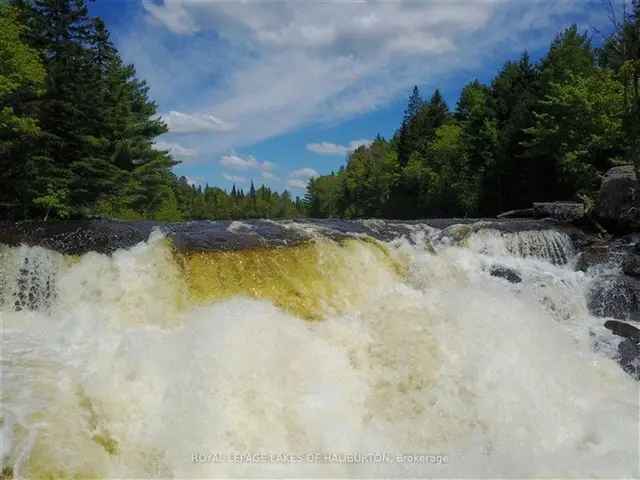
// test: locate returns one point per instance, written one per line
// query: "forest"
(540, 131)
(77, 132)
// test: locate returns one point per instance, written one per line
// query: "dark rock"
(629, 357)
(507, 273)
(563, 211)
(76, 237)
(106, 236)
(615, 296)
(595, 254)
(631, 264)
(623, 329)
(618, 206)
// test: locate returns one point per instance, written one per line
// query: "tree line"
(77, 129)
(540, 131)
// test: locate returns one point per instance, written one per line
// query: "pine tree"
(414, 104)
(22, 77)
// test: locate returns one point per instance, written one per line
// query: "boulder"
(629, 357)
(562, 211)
(631, 264)
(618, 206)
(623, 329)
(615, 296)
(507, 273)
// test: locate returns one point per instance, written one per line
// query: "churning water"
(151, 362)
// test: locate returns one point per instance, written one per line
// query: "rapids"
(332, 357)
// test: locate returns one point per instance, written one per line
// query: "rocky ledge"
(107, 236)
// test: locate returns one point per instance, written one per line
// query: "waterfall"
(550, 245)
(333, 357)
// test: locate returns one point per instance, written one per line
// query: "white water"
(116, 373)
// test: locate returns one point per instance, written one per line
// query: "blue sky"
(280, 91)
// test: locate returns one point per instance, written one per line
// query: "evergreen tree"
(22, 77)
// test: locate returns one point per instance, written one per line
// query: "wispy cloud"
(284, 65)
(172, 14)
(236, 162)
(299, 178)
(327, 148)
(179, 122)
(235, 178)
(176, 150)
(297, 184)
(195, 181)
(304, 173)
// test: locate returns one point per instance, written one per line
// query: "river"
(332, 357)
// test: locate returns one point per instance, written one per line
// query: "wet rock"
(507, 273)
(76, 237)
(107, 236)
(615, 296)
(631, 264)
(629, 348)
(623, 329)
(618, 206)
(629, 357)
(596, 254)
(562, 211)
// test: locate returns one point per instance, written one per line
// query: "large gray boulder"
(618, 206)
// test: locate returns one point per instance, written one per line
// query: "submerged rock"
(507, 273)
(618, 206)
(615, 296)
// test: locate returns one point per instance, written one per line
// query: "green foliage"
(55, 201)
(539, 132)
(77, 128)
(579, 126)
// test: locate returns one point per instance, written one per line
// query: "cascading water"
(329, 358)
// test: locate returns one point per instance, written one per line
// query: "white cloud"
(279, 66)
(270, 176)
(304, 173)
(172, 15)
(195, 181)
(299, 178)
(176, 150)
(179, 122)
(236, 162)
(297, 184)
(235, 178)
(327, 148)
